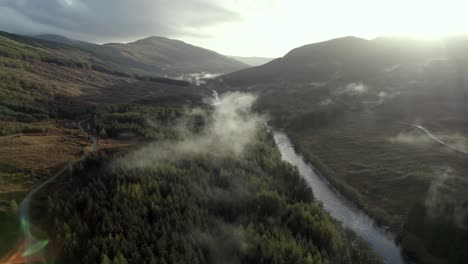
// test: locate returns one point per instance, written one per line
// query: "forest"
(200, 208)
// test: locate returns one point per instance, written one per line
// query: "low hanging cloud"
(440, 200)
(199, 78)
(417, 138)
(414, 138)
(108, 20)
(326, 102)
(356, 88)
(231, 127)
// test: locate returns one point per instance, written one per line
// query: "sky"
(267, 28)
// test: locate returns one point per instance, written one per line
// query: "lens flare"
(35, 248)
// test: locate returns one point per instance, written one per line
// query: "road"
(438, 140)
(29, 247)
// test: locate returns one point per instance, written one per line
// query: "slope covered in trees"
(199, 210)
(199, 207)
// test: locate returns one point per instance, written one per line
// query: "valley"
(351, 121)
(186, 175)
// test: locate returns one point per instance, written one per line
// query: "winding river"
(339, 207)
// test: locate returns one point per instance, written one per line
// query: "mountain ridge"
(350, 57)
(154, 55)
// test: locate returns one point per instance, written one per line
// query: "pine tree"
(120, 259)
(14, 206)
(105, 259)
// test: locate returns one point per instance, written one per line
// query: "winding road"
(24, 208)
(438, 140)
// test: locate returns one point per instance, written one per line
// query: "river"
(339, 207)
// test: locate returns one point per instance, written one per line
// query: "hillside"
(155, 56)
(349, 59)
(348, 104)
(133, 204)
(45, 89)
(189, 196)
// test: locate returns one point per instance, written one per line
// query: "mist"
(356, 88)
(231, 126)
(454, 141)
(439, 198)
(414, 138)
(199, 78)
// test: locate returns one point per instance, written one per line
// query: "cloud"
(356, 88)
(326, 102)
(415, 138)
(199, 78)
(231, 127)
(107, 20)
(440, 200)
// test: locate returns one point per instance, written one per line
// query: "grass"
(389, 177)
(42, 151)
(25, 161)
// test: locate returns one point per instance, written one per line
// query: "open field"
(390, 170)
(25, 161)
(379, 169)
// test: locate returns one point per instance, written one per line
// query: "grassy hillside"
(175, 58)
(349, 59)
(154, 56)
(45, 88)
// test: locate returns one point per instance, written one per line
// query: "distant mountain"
(177, 57)
(252, 61)
(154, 56)
(55, 38)
(349, 58)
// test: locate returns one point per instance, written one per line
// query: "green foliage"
(205, 209)
(14, 206)
(433, 238)
(147, 121)
(105, 259)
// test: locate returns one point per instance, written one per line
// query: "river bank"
(340, 207)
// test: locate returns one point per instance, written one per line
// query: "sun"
(425, 19)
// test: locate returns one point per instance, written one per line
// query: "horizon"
(242, 55)
(267, 27)
(233, 131)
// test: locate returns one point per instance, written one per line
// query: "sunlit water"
(339, 207)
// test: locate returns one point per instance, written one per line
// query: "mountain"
(154, 56)
(43, 80)
(211, 201)
(252, 61)
(56, 38)
(359, 110)
(349, 58)
(177, 57)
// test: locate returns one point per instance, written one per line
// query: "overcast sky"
(235, 27)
